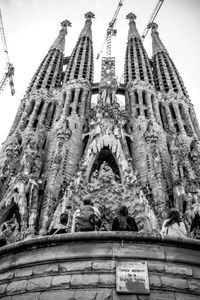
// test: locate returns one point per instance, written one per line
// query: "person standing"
(173, 225)
(86, 218)
(124, 222)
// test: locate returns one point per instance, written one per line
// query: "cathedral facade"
(61, 150)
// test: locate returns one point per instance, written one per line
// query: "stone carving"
(51, 201)
(63, 133)
(106, 130)
(186, 183)
(10, 230)
(11, 164)
(195, 156)
(24, 184)
(151, 136)
(107, 192)
(105, 173)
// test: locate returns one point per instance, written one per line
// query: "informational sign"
(132, 277)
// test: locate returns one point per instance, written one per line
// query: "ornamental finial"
(64, 24)
(89, 15)
(131, 16)
(153, 26)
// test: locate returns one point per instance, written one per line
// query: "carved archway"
(10, 222)
(105, 155)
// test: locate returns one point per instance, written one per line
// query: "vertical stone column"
(178, 117)
(159, 74)
(67, 103)
(149, 107)
(76, 96)
(83, 103)
(88, 102)
(169, 118)
(49, 113)
(44, 112)
(133, 105)
(128, 102)
(33, 115)
(154, 103)
(188, 121)
(140, 102)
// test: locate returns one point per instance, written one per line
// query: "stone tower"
(61, 150)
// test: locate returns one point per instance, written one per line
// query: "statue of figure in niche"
(10, 229)
(106, 173)
(194, 156)
(28, 159)
(94, 176)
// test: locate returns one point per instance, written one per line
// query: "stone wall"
(82, 266)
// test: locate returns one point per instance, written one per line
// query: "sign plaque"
(132, 277)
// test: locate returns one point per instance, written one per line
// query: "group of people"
(176, 226)
(88, 218)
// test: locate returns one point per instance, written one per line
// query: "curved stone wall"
(82, 266)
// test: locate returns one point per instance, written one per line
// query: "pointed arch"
(105, 155)
(8, 212)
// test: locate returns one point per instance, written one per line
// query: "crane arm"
(152, 17)
(3, 37)
(8, 76)
(112, 23)
(3, 82)
(110, 30)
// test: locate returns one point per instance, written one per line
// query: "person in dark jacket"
(124, 222)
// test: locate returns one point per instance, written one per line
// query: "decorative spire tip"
(89, 15)
(64, 24)
(153, 26)
(131, 16)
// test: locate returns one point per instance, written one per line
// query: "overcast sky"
(31, 26)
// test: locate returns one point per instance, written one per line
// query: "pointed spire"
(166, 75)
(157, 44)
(59, 43)
(81, 61)
(137, 66)
(133, 32)
(49, 73)
(86, 31)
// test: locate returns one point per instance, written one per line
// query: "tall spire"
(59, 43)
(49, 72)
(80, 65)
(133, 32)
(137, 66)
(157, 44)
(87, 31)
(166, 76)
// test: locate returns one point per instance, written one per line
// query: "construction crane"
(8, 76)
(110, 32)
(152, 17)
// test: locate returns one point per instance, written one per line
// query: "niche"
(106, 155)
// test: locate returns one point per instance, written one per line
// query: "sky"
(31, 26)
